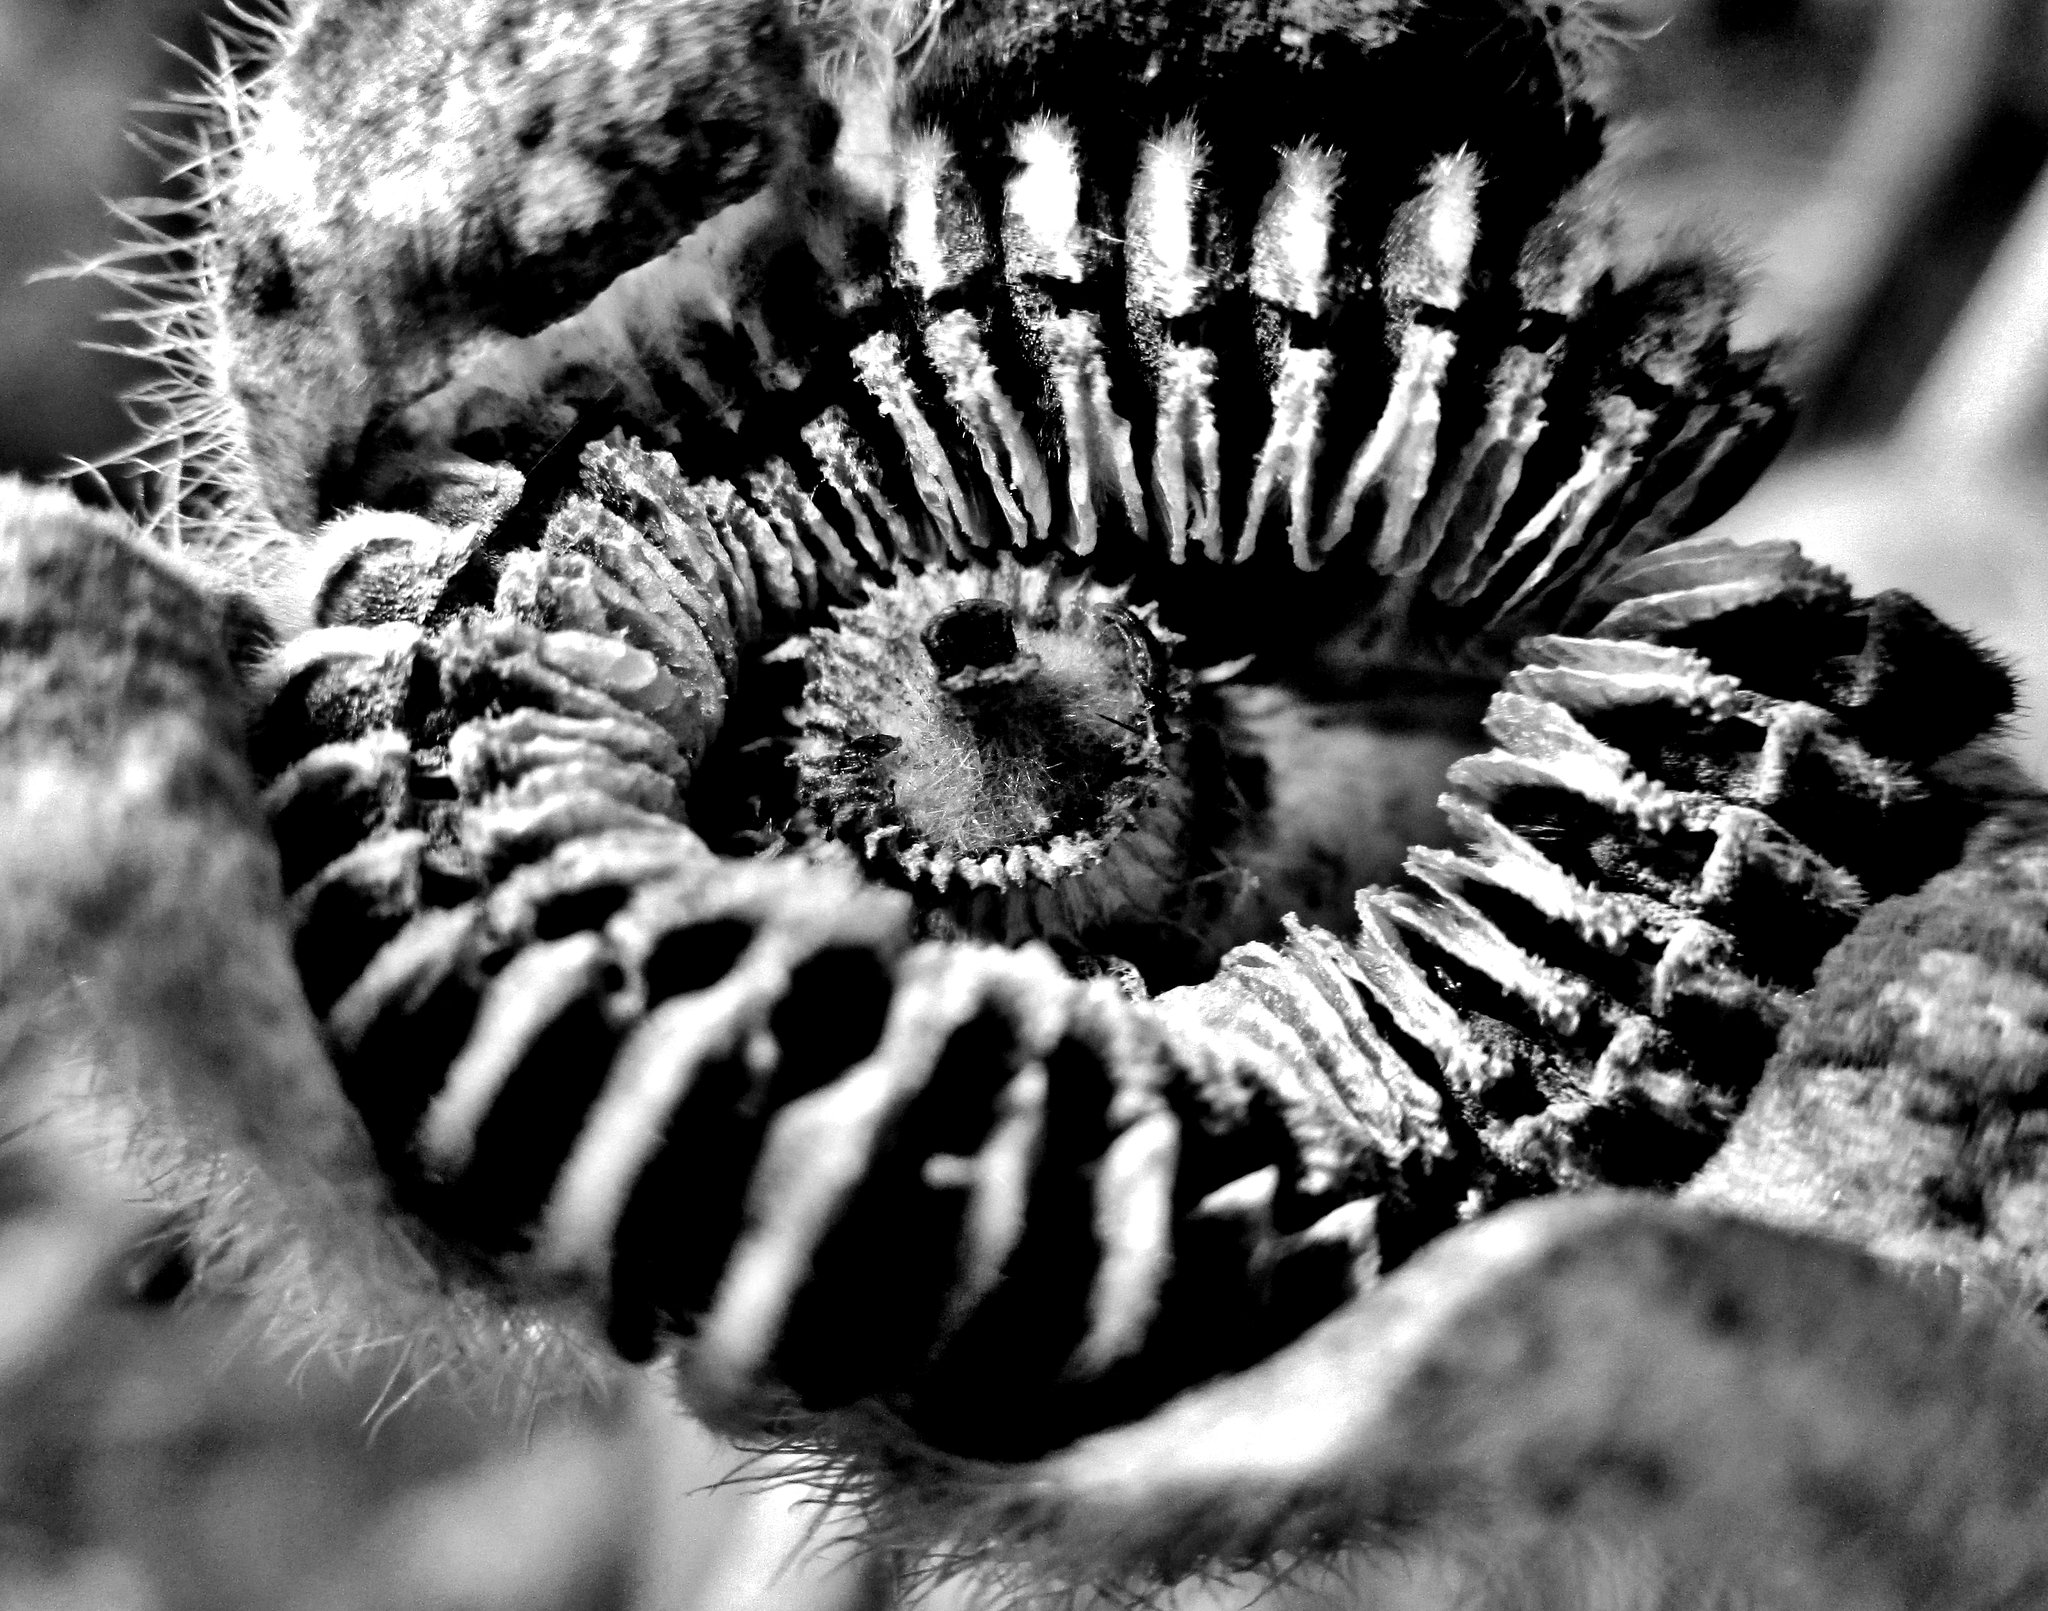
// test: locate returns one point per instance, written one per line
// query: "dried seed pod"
(1154, 342)
(1160, 288)
(1582, 996)
(987, 399)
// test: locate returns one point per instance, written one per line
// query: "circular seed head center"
(1003, 739)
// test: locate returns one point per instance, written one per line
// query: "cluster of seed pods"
(1178, 305)
(733, 1100)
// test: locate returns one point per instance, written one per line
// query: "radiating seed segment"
(1046, 247)
(1016, 474)
(1167, 280)
(1428, 258)
(1562, 261)
(1291, 272)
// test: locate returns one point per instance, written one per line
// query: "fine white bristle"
(1565, 256)
(938, 241)
(1042, 201)
(1430, 244)
(187, 478)
(1291, 247)
(1164, 273)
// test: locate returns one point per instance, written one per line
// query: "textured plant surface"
(712, 768)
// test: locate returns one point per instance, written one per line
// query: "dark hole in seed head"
(261, 278)
(970, 636)
(578, 910)
(831, 1016)
(696, 957)
(160, 1273)
(539, 124)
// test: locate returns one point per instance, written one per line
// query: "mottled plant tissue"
(733, 765)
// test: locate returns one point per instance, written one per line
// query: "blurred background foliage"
(1865, 159)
